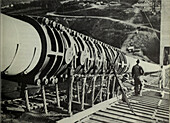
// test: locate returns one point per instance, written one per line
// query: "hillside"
(118, 24)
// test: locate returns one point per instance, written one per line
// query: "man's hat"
(138, 61)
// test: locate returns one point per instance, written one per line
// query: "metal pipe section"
(36, 48)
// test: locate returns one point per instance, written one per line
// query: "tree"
(51, 4)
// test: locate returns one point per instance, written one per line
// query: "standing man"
(137, 71)
(161, 82)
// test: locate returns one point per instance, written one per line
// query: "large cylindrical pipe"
(40, 49)
(21, 46)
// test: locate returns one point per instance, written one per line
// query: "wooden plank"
(78, 92)
(50, 95)
(101, 89)
(70, 96)
(151, 102)
(40, 100)
(167, 103)
(58, 109)
(27, 100)
(89, 111)
(16, 109)
(128, 114)
(147, 106)
(108, 88)
(162, 116)
(147, 102)
(160, 108)
(118, 117)
(83, 93)
(44, 99)
(152, 105)
(93, 90)
(113, 88)
(146, 98)
(57, 93)
(100, 119)
(162, 121)
(126, 110)
(135, 107)
(124, 96)
(105, 119)
(77, 105)
(163, 113)
(164, 107)
(89, 121)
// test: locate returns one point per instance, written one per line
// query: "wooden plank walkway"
(150, 107)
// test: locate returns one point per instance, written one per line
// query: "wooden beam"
(85, 113)
(78, 92)
(113, 88)
(57, 93)
(93, 90)
(126, 116)
(108, 87)
(83, 93)
(101, 88)
(70, 95)
(27, 99)
(77, 105)
(44, 99)
(16, 109)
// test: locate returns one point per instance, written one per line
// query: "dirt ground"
(119, 25)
